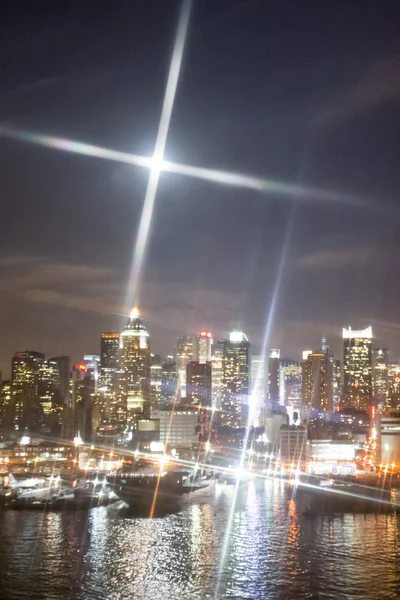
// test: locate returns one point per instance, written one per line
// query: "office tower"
(198, 378)
(204, 343)
(236, 380)
(83, 414)
(217, 357)
(25, 368)
(156, 380)
(357, 380)
(273, 375)
(290, 382)
(184, 354)
(168, 384)
(108, 376)
(317, 381)
(135, 378)
(394, 386)
(49, 393)
(337, 383)
(259, 383)
(5, 405)
(64, 374)
(380, 377)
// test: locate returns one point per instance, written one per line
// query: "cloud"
(335, 259)
(378, 84)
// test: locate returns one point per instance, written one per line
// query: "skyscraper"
(357, 376)
(64, 373)
(156, 380)
(49, 392)
(273, 375)
(108, 375)
(290, 378)
(25, 367)
(204, 341)
(135, 377)
(259, 381)
(337, 383)
(317, 381)
(5, 405)
(236, 380)
(184, 354)
(217, 357)
(168, 384)
(198, 378)
(380, 377)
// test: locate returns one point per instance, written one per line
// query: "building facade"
(380, 378)
(317, 381)
(25, 369)
(273, 375)
(184, 354)
(236, 380)
(357, 368)
(199, 383)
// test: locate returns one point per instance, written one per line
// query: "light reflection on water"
(273, 552)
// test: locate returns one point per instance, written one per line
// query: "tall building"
(25, 368)
(168, 384)
(5, 405)
(357, 368)
(337, 383)
(50, 400)
(204, 343)
(217, 357)
(135, 379)
(64, 374)
(184, 354)
(236, 380)
(290, 382)
(108, 376)
(394, 386)
(273, 375)
(198, 378)
(380, 377)
(156, 380)
(259, 379)
(317, 381)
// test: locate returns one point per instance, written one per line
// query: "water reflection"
(273, 552)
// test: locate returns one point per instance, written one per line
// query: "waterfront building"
(236, 380)
(199, 383)
(179, 428)
(25, 367)
(293, 447)
(387, 428)
(357, 368)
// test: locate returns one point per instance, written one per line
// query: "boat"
(89, 493)
(165, 489)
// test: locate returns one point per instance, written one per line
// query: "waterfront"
(274, 552)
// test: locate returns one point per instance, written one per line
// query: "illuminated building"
(5, 404)
(184, 354)
(357, 379)
(273, 375)
(156, 380)
(168, 384)
(292, 447)
(337, 383)
(198, 378)
(204, 343)
(25, 369)
(380, 377)
(317, 381)
(64, 374)
(179, 428)
(49, 393)
(394, 386)
(108, 376)
(388, 438)
(328, 457)
(83, 415)
(259, 371)
(290, 383)
(135, 379)
(217, 357)
(236, 373)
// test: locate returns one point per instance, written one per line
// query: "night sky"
(300, 92)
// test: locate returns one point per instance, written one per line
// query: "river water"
(264, 547)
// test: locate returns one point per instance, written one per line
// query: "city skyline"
(214, 250)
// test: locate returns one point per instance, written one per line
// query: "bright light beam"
(158, 158)
(260, 184)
